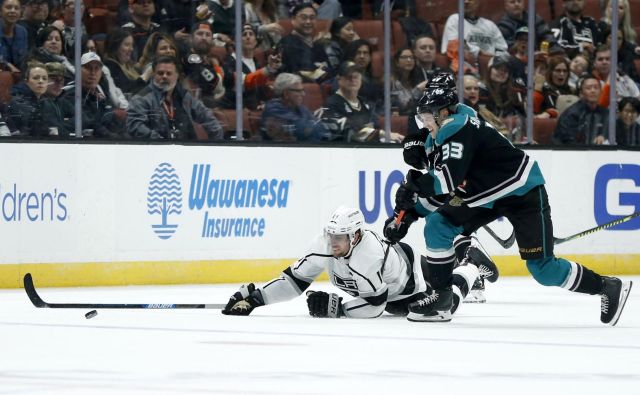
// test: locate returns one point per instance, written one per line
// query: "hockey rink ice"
(527, 339)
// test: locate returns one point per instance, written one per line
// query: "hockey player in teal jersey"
(474, 176)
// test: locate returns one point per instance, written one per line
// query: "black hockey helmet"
(442, 80)
(435, 99)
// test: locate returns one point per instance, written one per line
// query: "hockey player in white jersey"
(357, 263)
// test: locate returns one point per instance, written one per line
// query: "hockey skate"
(476, 294)
(613, 298)
(433, 307)
(487, 268)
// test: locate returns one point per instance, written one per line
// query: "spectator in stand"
(285, 118)
(519, 54)
(472, 99)
(341, 33)
(481, 35)
(141, 26)
(98, 116)
(34, 18)
(298, 54)
(424, 51)
(176, 17)
(359, 52)
(325, 9)
(223, 15)
(503, 97)
(355, 118)
(249, 65)
(13, 37)
(203, 72)
(579, 65)
(165, 110)
(556, 84)
(259, 84)
(584, 122)
(262, 15)
(624, 22)
(119, 50)
(404, 86)
(66, 26)
(627, 127)
(48, 48)
(575, 32)
(625, 86)
(158, 44)
(515, 17)
(64, 110)
(30, 110)
(627, 54)
(116, 95)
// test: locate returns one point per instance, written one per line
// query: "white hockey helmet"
(345, 221)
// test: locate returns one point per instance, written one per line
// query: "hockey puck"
(91, 314)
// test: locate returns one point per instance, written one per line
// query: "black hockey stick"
(504, 243)
(38, 302)
(560, 240)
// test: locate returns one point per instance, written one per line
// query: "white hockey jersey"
(362, 274)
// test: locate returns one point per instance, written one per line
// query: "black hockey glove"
(393, 231)
(413, 150)
(322, 304)
(244, 301)
(408, 192)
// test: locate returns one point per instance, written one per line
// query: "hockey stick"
(560, 240)
(38, 302)
(386, 253)
(504, 243)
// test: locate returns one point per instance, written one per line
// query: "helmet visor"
(426, 120)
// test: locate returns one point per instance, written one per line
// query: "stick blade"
(31, 292)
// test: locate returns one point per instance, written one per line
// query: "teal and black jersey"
(471, 158)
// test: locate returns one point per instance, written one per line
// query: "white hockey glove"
(244, 301)
(322, 304)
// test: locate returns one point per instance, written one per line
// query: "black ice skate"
(433, 307)
(613, 298)
(487, 268)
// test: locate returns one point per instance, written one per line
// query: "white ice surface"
(527, 339)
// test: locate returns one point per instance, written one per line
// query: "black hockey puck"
(91, 314)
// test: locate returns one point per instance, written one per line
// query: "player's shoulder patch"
(451, 126)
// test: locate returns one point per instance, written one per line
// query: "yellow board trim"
(234, 271)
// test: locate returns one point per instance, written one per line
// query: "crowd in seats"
(332, 46)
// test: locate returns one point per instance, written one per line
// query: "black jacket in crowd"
(580, 124)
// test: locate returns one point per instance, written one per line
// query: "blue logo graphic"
(164, 198)
(617, 194)
(372, 214)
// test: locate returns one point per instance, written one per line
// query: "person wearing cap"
(515, 17)
(13, 37)
(481, 34)
(165, 110)
(299, 54)
(34, 17)
(358, 121)
(98, 116)
(55, 91)
(30, 110)
(203, 72)
(285, 117)
(141, 26)
(249, 65)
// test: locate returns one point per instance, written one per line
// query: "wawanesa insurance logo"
(221, 207)
(164, 200)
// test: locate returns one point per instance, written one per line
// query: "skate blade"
(474, 300)
(624, 294)
(441, 316)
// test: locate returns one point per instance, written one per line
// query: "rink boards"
(171, 214)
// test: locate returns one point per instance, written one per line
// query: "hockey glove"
(413, 150)
(322, 304)
(244, 301)
(395, 232)
(407, 193)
